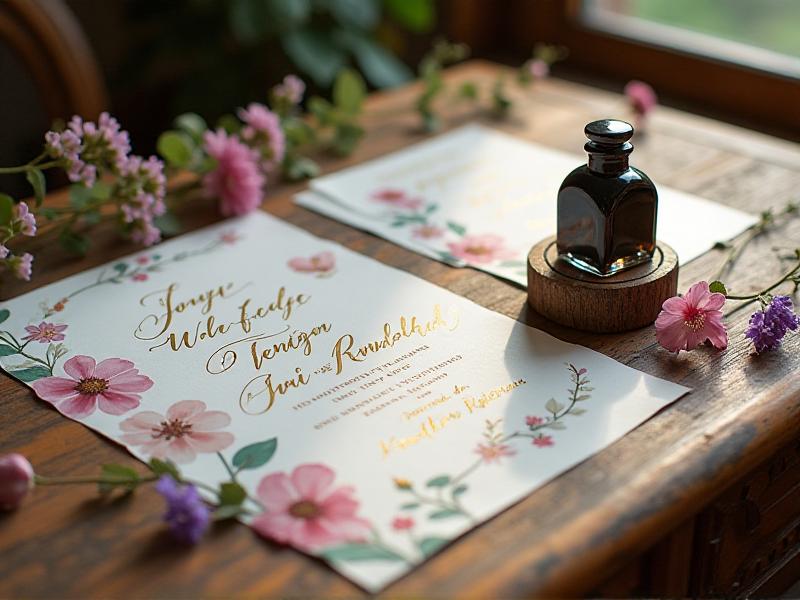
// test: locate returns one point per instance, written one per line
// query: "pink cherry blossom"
(324, 262)
(532, 421)
(396, 198)
(307, 511)
(402, 523)
(543, 441)
(113, 386)
(427, 232)
(237, 179)
(480, 249)
(44, 333)
(685, 322)
(188, 429)
(493, 453)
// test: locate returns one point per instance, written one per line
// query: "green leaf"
(460, 489)
(381, 68)
(718, 286)
(360, 552)
(229, 123)
(6, 209)
(362, 14)
(301, 168)
(429, 545)
(440, 481)
(577, 411)
(321, 109)
(164, 467)
(456, 228)
(31, 373)
(176, 148)
(168, 224)
(444, 514)
(92, 217)
(314, 53)
(7, 350)
(4, 314)
(36, 178)
(101, 191)
(227, 511)
(553, 406)
(558, 425)
(346, 139)
(79, 196)
(120, 267)
(192, 124)
(231, 493)
(349, 91)
(409, 506)
(48, 213)
(117, 476)
(255, 455)
(582, 397)
(418, 16)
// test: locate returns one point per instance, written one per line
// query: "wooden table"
(702, 499)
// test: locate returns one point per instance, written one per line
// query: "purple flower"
(142, 186)
(769, 326)
(263, 130)
(24, 221)
(291, 89)
(187, 516)
(3, 251)
(22, 266)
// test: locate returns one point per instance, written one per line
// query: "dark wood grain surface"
(584, 528)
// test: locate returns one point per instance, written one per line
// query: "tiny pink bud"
(16, 480)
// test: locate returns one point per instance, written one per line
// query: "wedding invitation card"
(477, 197)
(375, 416)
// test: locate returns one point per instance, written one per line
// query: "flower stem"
(29, 167)
(751, 297)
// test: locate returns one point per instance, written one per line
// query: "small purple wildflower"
(187, 516)
(263, 131)
(23, 219)
(3, 251)
(768, 327)
(21, 265)
(142, 186)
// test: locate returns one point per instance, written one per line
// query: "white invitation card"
(481, 198)
(373, 415)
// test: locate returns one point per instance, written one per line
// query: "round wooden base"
(628, 300)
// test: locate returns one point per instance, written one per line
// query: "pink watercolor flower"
(396, 198)
(229, 237)
(494, 453)
(641, 97)
(44, 333)
(188, 429)
(402, 523)
(480, 249)
(140, 277)
(427, 232)
(543, 441)
(113, 386)
(142, 260)
(321, 263)
(532, 421)
(237, 180)
(306, 511)
(685, 322)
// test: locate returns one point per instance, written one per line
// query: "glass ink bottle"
(606, 208)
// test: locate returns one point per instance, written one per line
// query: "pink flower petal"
(203, 441)
(312, 480)
(142, 421)
(210, 420)
(78, 406)
(130, 381)
(696, 293)
(348, 529)
(303, 265)
(54, 389)
(713, 301)
(142, 438)
(111, 367)
(676, 306)
(117, 403)
(340, 503)
(278, 526)
(276, 492)
(185, 410)
(180, 451)
(80, 367)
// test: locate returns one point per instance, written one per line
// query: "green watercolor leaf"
(556, 425)
(255, 455)
(117, 476)
(231, 493)
(409, 506)
(36, 178)
(718, 286)
(6, 209)
(456, 228)
(120, 267)
(360, 552)
(31, 373)
(176, 148)
(577, 411)
(445, 513)
(438, 482)
(4, 314)
(429, 545)
(460, 489)
(7, 350)
(553, 406)
(582, 397)
(164, 467)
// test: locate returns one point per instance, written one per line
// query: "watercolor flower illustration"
(480, 249)
(543, 441)
(493, 453)
(188, 429)
(685, 322)
(427, 232)
(112, 385)
(229, 237)
(322, 263)
(305, 509)
(44, 333)
(396, 198)
(402, 523)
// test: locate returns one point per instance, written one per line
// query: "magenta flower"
(768, 327)
(237, 180)
(187, 515)
(480, 249)
(685, 322)
(543, 441)
(290, 89)
(402, 523)
(140, 277)
(3, 251)
(306, 511)
(427, 232)
(263, 131)
(396, 198)
(494, 453)
(44, 333)
(16, 480)
(642, 99)
(321, 263)
(113, 386)
(188, 429)
(532, 421)
(23, 219)
(142, 260)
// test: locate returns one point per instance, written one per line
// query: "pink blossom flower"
(142, 260)
(113, 386)
(402, 523)
(685, 322)
(24, 221)
(142, 187)
(188, 429)
(22, 266)
(263, 131)
(495, 452)
(532, 421)
(290, 89)
(3, 251)
(140, 277)
(324, 262)
(237, 180)
(44, 333)
(543, 441)
(306, 511)
(427, 232)
(538, 68)
(480, 249)
(16, 480)
(396, 198)
(641, 97)
(229, 237)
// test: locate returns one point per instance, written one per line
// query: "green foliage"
(31, 373)
(438, 482)
(6, 209)
(718, 286)
(73, 242)
(360, 552)
(36, 178)
(430, 545)
(231, 493)
(349, 91)
(176, 148)
(193, 125)
(418, 16)
(255, 455)
(4, 314)
(117, 476)
(164, 467)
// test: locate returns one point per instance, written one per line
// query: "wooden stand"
(629, 300)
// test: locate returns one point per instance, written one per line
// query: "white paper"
(452, 414)
(478, 189)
